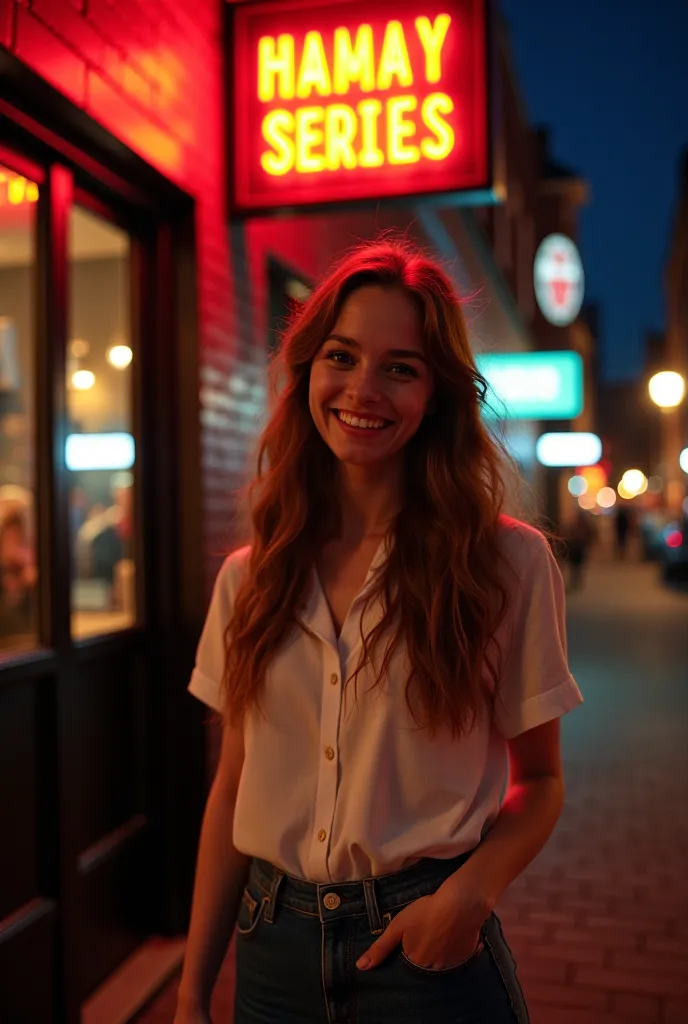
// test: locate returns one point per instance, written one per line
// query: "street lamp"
(667, 389)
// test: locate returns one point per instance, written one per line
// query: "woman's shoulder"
(521, 542)
(232, 569)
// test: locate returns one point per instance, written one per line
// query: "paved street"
(599, 922)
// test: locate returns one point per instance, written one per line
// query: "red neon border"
(248, 196)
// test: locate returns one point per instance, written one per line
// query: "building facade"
(136, 322)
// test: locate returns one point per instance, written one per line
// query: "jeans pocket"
(250, 913)
(443, 972)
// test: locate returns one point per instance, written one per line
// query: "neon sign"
(533, 385)
(332, 104)
(559, 280)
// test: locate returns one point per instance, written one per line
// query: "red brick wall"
(151, 72)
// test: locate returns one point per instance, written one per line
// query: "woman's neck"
(369, 498)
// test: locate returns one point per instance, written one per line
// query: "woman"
(386, 640)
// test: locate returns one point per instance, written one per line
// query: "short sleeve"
(536, 685)
(206, 678)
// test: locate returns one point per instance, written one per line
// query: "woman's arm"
(531, 809)
(220, 879)
(442, 930)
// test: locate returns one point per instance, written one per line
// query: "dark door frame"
(41, 125)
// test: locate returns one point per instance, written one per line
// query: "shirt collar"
(315, 613)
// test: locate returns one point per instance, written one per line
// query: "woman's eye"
(404, 370)
(339, 357)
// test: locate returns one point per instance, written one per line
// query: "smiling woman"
(382, 645)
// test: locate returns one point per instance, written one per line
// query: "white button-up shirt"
(337, 787)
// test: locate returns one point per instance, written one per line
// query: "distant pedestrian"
(579, 536)
(385, 649)
(623, 524)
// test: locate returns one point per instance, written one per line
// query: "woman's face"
(370, 384)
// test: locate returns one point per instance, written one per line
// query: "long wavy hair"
(442, 585)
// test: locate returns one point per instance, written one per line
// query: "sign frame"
(490, 190)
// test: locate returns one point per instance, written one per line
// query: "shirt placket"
(328, 770)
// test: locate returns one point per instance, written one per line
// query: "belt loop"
(374, 918)
(271, 900)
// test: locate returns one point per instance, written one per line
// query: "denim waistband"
(331, 901)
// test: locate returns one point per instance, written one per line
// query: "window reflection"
(18, 570)
(100, 452)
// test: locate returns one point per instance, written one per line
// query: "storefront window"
(18, 571)
(100, 451)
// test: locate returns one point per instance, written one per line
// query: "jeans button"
(331, 900)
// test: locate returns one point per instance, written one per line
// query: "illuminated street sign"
(533, 385)
(355, 101)
(559, 280)
(568, 449)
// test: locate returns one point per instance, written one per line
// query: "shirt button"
(329, 753)
(334, 678)
(331, 900)
(322, 835)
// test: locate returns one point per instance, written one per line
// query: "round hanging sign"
(559, 280)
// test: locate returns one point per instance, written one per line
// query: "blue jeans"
(298, 943)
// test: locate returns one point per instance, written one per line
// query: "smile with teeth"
(361, 422)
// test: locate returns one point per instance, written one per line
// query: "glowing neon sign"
(332, 104)
(533, 385)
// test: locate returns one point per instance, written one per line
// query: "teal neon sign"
(533, 385)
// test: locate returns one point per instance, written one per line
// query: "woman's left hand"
(435, 932)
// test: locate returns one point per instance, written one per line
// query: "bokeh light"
(83, 380)
(577, 485)
(606, 497)
(595, 477)
(683, 460)
(667, 389)
(120, 356)
(634, 482)
(587, 501)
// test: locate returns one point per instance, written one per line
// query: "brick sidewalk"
(599, 923)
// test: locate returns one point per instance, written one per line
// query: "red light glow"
(674, 539)
(331, 104)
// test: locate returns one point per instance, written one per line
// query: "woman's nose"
(362, 386)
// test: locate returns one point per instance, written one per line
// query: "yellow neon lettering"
(307, 136)
(398, 129)
(278, 131)
(354, 63)
(340, 132)
(432, 38)
(370, 154)
(276, 62)
(434, 105)
(394, 58)
(313, 70)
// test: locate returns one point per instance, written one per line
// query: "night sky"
(610, 77)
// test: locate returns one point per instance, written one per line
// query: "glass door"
(100, 450)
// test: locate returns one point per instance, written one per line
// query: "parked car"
(674, 552)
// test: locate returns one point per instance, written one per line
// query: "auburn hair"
(442, 585)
